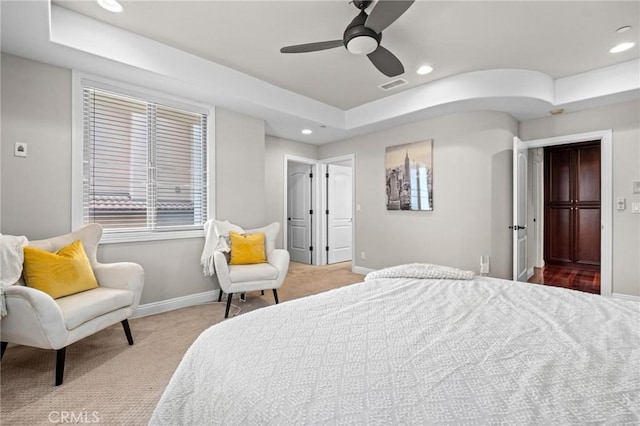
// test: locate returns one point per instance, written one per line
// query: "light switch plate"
(636, 186)
(621, 204)
(20, 150)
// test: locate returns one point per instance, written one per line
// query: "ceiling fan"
(363, 35)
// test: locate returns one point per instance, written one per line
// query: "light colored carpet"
(109, 382)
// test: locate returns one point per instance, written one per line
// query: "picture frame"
(409, 176)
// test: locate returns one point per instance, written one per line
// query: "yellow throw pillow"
(247, 249)
(59, 274)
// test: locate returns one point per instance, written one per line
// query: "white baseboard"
(529, 273)
(625, 296)
(177, 303)
(361, 270)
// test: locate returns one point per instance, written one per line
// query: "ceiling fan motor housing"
(362, 4)
(359, 39)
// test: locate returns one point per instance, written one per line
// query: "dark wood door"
(572, 205)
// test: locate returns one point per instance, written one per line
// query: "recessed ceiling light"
(622, 47)
(307, 131)
(110, 5)
(623, 29)
(425, 69)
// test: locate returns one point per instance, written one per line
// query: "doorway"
(338, 224)
(572, 224)
(299, 211)
(318, 209)
(572, 204)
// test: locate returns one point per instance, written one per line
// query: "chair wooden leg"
(127, 331)
(226, 313)
(60, 354)
(275, 295)
(220, 295)
(3, 348)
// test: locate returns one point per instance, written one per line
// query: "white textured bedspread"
(410, 351)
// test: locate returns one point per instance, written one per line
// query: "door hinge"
(311, 175)
(311, 211)
(310, 248)
(326, 248)
(327, 175)
(326, 211)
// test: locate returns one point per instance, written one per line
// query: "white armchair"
(262, 276)
(36, 319)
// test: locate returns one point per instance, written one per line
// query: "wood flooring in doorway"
(560, 276)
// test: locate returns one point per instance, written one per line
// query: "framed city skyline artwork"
(409, 176)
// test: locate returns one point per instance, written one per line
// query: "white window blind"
(144, 164)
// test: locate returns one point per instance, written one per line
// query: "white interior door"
(519, 226)
(339, 220)
(298, 212)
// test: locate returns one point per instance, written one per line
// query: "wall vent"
(393, 84)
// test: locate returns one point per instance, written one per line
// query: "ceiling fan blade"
(386, 62)
(312, 47)
(385, 12)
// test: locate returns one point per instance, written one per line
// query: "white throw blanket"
(423, 271)
(216, 235)
(11, 258)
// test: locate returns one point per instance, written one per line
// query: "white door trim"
(606, 190)
(315, 258)
(537, 170)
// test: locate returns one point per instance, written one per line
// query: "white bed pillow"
(421, 271)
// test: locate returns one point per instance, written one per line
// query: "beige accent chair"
(36, 319)
(262, 276)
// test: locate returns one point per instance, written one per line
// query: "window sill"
(132, 237)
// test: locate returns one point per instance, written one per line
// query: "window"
(144, 165)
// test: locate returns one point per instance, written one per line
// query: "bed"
(416, 351)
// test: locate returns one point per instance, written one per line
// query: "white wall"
(240, 169)
(36, 191)
(1, 149)
(624, 120)
(472, 156)
(36, 109)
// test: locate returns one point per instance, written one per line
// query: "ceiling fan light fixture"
(111, 5)
(307, 131)
(362, 45)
